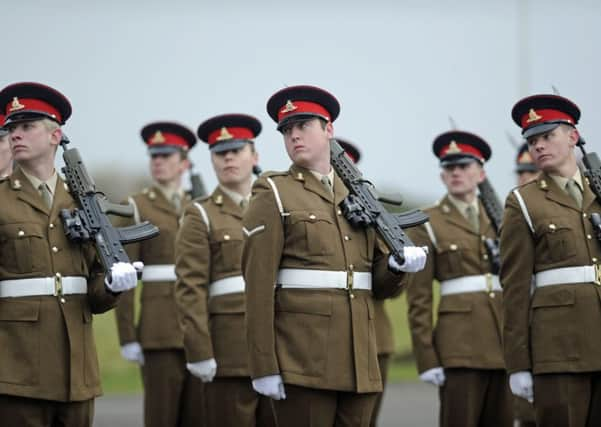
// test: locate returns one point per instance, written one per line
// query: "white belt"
(159, 273)
(477, 283)
(323, 279)
(568, 275)
(56, 285)
(229, 285)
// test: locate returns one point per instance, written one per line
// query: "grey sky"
(399, 69)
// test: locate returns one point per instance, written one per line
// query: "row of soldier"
(268, 310)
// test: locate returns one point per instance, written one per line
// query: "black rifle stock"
(494, 209)
(592, 172)
(90, 222)
(198, 187)
(362, 207)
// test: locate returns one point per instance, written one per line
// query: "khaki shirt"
(323, 339)
(469, 328)
(557, 328)
(157, 327)
(47, 347)
(209, 249)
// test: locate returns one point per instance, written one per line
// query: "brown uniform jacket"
(314, 338)
(213, 328)
(557, 329)
(468, 332)
(158, 327)
(384, 332)
(47, 348)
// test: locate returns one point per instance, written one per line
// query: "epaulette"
(269, 174)
(202, 198)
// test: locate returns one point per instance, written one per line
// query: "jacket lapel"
(228, 206)
(453, 216)
(28, 194)
(485, 223)
(556, 194)
(160, 202)
(311, 183)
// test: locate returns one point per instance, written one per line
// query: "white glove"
(132, 351)
(270, 386)
(433, 376)
(124, 276)
(415, 260)
(522, 385)
(205, 369)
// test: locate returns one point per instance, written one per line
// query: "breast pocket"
(449, 258)
(557, 238)
(226, 249)
(23, 247)
(312, 232)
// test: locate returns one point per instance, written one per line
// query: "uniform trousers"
(475, 398)
(16, 411)
(172, 396)
(383, 361)
(523, 412)
(231, 401)
(310, 407)
(568, 400)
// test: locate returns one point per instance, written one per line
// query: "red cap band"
(166, 138)
(541, 116)
(28, 104)
(461, 149)
(300, 107)
(227, 133)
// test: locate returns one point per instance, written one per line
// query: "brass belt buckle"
(489, 285)
(349, 281)
(597, 268)
(58, 286)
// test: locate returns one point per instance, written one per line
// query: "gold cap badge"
(453, 148)
(157, 138)
(224, 134)
(288, 107)
(525, 158)
(16, 105)
(532, 116)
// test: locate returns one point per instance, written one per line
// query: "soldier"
(525, 167)
(526, 171)
(6, 158)
(463, 355)
(210, 287)
(172, 397)
(552, 338)
(49, 285)
(384, 338)
(308, 273)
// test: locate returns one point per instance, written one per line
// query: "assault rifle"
(592, 172)
(494, 209)
(363, 209)
(198, 187)
(90, 222)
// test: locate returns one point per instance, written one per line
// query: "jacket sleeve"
(193, 271)
(386, 283)
(99, 297)
(517, 266)
(261, 255)
(419, 301)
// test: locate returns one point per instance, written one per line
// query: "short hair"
(50, 125)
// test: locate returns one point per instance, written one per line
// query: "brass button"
(552, 227)
(54, 249)
(351, 296)
(51, 226)
(483, 238)
(21, 233)
(58, 275)
(226, 237)
(347, 238)
(312, 216)
(588, 236)
(492, 295)
(584, 215)
(485, 256)
(339, 212)
(594, 260)
(351, 267)
(453, 247)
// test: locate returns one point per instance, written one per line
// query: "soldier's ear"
(330, 130)
(573, 136)
(56, 136)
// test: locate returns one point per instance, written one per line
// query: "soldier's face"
(32, 140)
(462, 180)
(308, 143)
(552, 151)
(167, 168)
(234, 167)
(6, 157)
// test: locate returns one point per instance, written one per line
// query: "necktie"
(472, 218)
(45, 193)
(574, 190)
(176, 200)
(326, 183)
